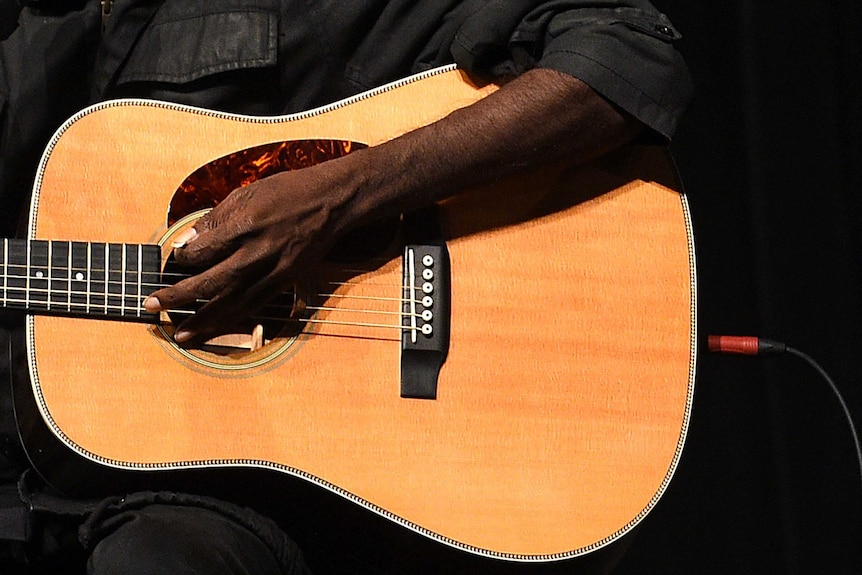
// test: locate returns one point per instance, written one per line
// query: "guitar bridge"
(425, 318)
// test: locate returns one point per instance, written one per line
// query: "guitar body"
(563, 403)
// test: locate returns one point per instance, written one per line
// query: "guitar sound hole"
(281, 318)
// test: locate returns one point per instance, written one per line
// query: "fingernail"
(182, 336)
(152, 304)
(183, 238)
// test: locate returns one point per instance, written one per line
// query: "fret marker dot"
(79, 276)
(40, 275)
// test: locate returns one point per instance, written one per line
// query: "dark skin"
(263, 237)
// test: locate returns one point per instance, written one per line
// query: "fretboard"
(100, 280)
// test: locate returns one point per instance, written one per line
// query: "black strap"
(16, 521)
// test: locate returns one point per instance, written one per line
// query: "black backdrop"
(771, 157)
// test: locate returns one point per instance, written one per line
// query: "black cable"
(808, 359)
(750, 345)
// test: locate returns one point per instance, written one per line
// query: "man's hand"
(252, 246)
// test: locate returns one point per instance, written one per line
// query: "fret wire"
(89, 273)
(27, 280)
(5, 270)
(49, 268)
(107, 265)
(69, 276)
(123, 255)
(140, 268)
(48, 298)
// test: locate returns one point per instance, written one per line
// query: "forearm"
(540, 117)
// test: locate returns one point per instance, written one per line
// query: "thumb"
(184, 238)
(203, 245)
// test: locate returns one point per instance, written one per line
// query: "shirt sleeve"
(623, 49)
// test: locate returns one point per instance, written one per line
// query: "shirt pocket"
(184, 48)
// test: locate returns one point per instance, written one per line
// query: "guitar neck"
(82, 279)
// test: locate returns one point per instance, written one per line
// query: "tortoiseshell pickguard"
(212, 182)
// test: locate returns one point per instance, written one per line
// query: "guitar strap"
(16, 524)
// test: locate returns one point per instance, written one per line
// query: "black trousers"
(152, 533)
(167, 538)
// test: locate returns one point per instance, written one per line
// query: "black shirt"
(293, 56)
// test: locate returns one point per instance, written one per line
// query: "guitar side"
(565, 397)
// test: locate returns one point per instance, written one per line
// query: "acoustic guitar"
(510, 373)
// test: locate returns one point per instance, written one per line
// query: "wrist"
(378, 182)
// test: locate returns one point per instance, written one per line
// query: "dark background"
(771, 156)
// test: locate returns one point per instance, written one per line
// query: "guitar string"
(101, 305)
(128, 312)
(113, 272)
(326, 321)
(24, 249)
(135, 295)
(106, 306)
(148, 284)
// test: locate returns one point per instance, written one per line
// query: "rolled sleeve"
(624, 50)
